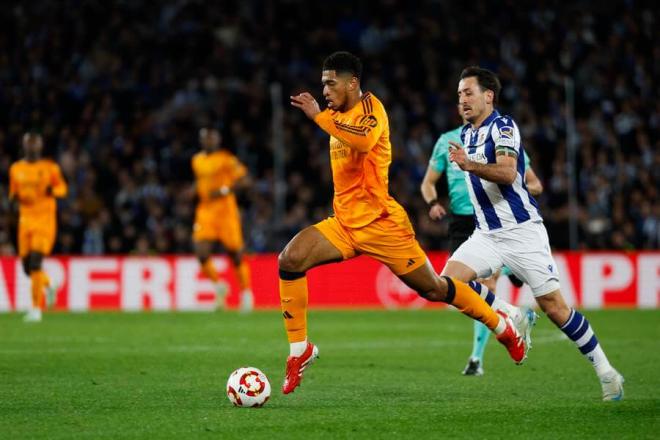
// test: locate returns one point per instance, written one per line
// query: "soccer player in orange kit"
(35, 183)
(217, 218)
(367, 220)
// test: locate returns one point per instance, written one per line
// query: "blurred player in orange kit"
(217, 218)
(367, 219)
(35, 183)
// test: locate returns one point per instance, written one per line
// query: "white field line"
(346, 345)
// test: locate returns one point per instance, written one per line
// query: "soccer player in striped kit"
(461, 226)
(510, 228)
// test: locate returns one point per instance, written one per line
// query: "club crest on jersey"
(482, 137)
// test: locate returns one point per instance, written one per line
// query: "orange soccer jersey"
(368, 220)
(36, 185)
(217, 218)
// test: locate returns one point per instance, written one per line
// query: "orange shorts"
(210, 227)
(390, 240)
(36, 235)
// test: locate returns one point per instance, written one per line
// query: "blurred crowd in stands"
(119, 90)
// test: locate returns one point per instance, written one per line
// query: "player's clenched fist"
(307, 104)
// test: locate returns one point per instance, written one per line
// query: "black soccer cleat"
(473, 368)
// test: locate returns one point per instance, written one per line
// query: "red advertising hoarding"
(589, 280)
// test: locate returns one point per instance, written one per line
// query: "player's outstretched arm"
(502, 172)
(360, 133)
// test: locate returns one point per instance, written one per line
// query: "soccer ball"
(248, 387)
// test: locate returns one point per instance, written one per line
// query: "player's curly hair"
(486, 78)
(344, 62)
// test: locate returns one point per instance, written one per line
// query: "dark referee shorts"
(460, 229)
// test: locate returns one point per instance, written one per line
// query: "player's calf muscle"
(433, 295)
(426, 284)
(438, 293)
(554, 306)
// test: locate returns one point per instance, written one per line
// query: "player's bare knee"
(490, 283)
(26, 265)
(236, 258)
(34, 261)
(291, 260)
(457, 270)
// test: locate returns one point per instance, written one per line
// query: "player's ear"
(353, 84)
(489, 96)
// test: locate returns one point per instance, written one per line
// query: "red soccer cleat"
(295, 365)
(513, 341)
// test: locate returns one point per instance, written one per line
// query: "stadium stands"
(120, 90)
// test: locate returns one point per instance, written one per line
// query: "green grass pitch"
(381, 375)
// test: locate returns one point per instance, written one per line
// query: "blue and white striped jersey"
(498, 206)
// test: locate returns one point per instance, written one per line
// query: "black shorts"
(460, 229)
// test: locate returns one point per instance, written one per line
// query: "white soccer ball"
(248, 387)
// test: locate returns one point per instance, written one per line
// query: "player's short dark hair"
(486, 78)
(344, 62)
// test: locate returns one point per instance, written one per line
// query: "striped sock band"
(578, 329)
(483, 292)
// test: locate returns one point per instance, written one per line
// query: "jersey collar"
(489, 119)
(475, 131)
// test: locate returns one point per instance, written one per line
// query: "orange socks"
(209, 270)
(466, 300)
(243, 271)
(45, 278)
(293, 299)
(39, 281)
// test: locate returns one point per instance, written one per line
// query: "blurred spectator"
(119, 90)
